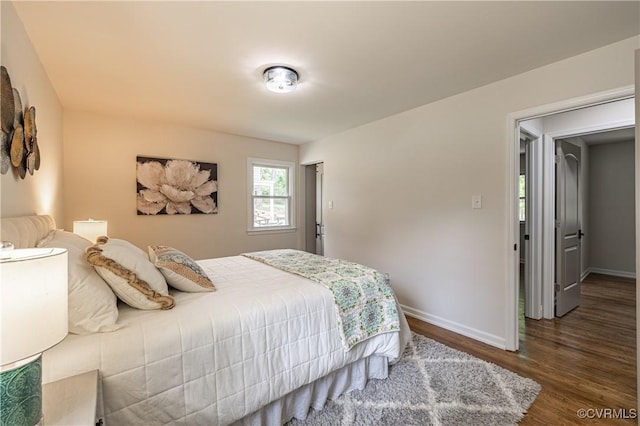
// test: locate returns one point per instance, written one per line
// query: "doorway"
(530, 222)
(547, 123)
(314, 229)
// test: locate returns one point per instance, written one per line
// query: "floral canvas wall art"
(167, 186)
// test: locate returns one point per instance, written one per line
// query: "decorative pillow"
(45, 240)
(128, 271)
(180, 270)
(93, 307)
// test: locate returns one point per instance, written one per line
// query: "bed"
(265, 347)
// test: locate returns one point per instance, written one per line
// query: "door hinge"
(556, 158)
(556, 287)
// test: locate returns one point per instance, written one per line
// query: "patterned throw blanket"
(365, 304)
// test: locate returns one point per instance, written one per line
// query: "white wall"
(100, 182)
(42, 192)
(402, 188)
(612, 208)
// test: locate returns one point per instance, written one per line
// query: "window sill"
(283, 230)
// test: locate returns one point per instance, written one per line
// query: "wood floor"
(585, 360)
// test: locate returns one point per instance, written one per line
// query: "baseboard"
(472, 333)
(612, 272)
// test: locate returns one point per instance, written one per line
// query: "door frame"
(309, 205)
(533, 220)
(319, 209)
(512, 253)
(548, 250)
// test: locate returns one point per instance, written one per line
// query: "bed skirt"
(315, 395)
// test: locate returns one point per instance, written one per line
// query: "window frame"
(290, 167)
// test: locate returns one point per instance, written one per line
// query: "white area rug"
(433, 385)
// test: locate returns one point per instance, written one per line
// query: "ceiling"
(200, 63)
(610, 136)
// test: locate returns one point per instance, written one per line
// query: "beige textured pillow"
(126, 268)
(92, 305)
(181, 271)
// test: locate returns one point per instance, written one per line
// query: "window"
(271, 190)
(522, 194)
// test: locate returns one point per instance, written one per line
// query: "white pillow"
(180, 270)
(92, 305)
(133, 278)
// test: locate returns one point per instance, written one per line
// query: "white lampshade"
(90, 229)
(34, 314)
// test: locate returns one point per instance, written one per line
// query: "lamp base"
(21, 393)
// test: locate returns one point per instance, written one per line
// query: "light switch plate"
(476, 201)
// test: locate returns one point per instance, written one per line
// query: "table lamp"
(90, 229)
(33, 286)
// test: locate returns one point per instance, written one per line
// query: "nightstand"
(71, 401)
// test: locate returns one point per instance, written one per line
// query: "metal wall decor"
(18, 143)
(166, 186)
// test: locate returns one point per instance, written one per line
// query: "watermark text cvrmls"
(607, 413)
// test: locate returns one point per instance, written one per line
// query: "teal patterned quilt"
(365, 304)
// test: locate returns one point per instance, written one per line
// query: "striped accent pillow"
(180, 271)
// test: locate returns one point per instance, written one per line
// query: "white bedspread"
(216, 357)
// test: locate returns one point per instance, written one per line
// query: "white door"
(319, 222)
(568, 229)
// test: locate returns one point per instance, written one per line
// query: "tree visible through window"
(522, 194)
(271, 194)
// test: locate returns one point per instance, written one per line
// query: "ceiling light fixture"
(280, 79)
